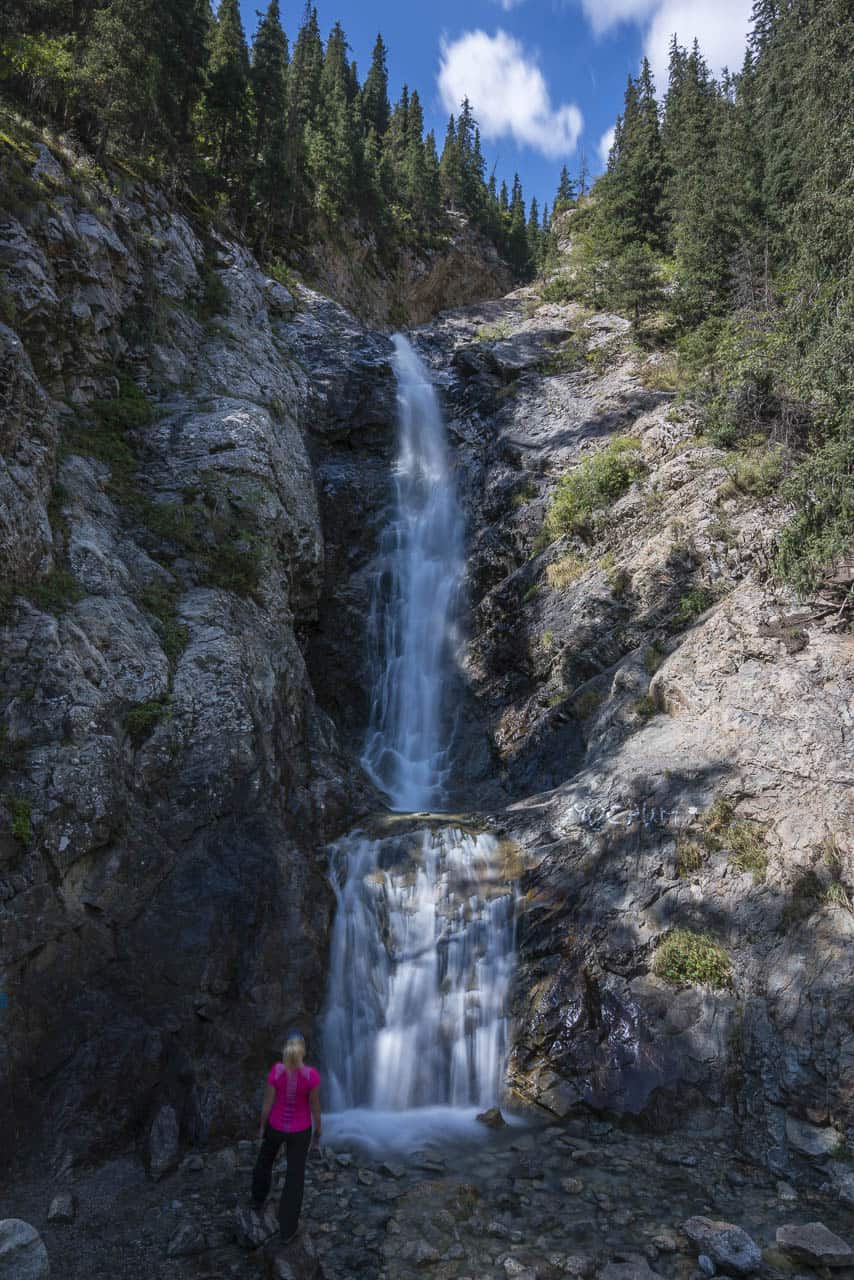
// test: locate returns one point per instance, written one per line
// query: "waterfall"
(423, 940)
(414, 602)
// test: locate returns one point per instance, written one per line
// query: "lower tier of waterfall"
(421, 960)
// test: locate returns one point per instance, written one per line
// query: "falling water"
(423, 940)
(415, 598)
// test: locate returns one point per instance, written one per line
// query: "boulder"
(492, 1118)
(23, 1255)
(813, 1243)
(252, 1229)
(728, 1245)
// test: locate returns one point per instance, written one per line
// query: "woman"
(290, 1116)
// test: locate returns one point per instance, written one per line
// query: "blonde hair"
(293, 1053)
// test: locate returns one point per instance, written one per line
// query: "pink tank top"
(291, 1111)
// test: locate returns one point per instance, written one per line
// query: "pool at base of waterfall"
(428, 1130)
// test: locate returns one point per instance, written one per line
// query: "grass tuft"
(685, 956)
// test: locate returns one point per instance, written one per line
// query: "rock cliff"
(672, 737)
(195, 464)
(168, 776)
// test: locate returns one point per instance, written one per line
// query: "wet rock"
(492, 1118)
(730, 1246)
(704, 1262)
(189, 1238)
(163, 1143)
(63, 1208)
(23, 1255)
(814, 1244)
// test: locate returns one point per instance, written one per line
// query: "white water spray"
(423, 940)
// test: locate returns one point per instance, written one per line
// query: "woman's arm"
(314, 1103)
(269, 1099)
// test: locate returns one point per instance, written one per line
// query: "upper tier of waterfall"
(415, 600)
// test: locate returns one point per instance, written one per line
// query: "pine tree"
(375, 104)
(268, 77)
(450, 168)
(566, 193)
(226, 100)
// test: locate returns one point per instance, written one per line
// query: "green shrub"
(822, 490)
(646, 707)
(213, 300)
(747, 841)
(690, 856)
(53, 593)
(759, 471)
(143, 719)
(128, 410)
(494, 332)
(159, 600)
(21, 813)
(562, 573)
(235, 565)
(684, 956)
(569, 357)
(597, 482)
(560, 289)
(836, 895)
(691, 605)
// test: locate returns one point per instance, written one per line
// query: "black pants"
(296, 1148)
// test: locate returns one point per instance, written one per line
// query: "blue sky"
(546, 77)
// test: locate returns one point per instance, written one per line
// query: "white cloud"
(508, 5)
(605, 144)
(605, 14)
(721, 27)
(508, 92)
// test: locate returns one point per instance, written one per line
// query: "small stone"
(665, 1242)
(392, 1169)
(637, 1269)
(163, 1143)
(187, 1240)
(23, 1255)
(63, 1208)
(344, 1159)
(578, 1265)
(492, 1118)
(814, 1244)
(786, 1191)
(223, 1163)
(810, 1139)
(365, 1177)
(706, 1265)
(572, 1186)
(193, 1163)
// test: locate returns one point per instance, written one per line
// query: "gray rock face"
(23, 1255)
(814, 1244)
(728, 1245)
(619, 684)
(169, 776)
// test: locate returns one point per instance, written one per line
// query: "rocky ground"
(580, 1199)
